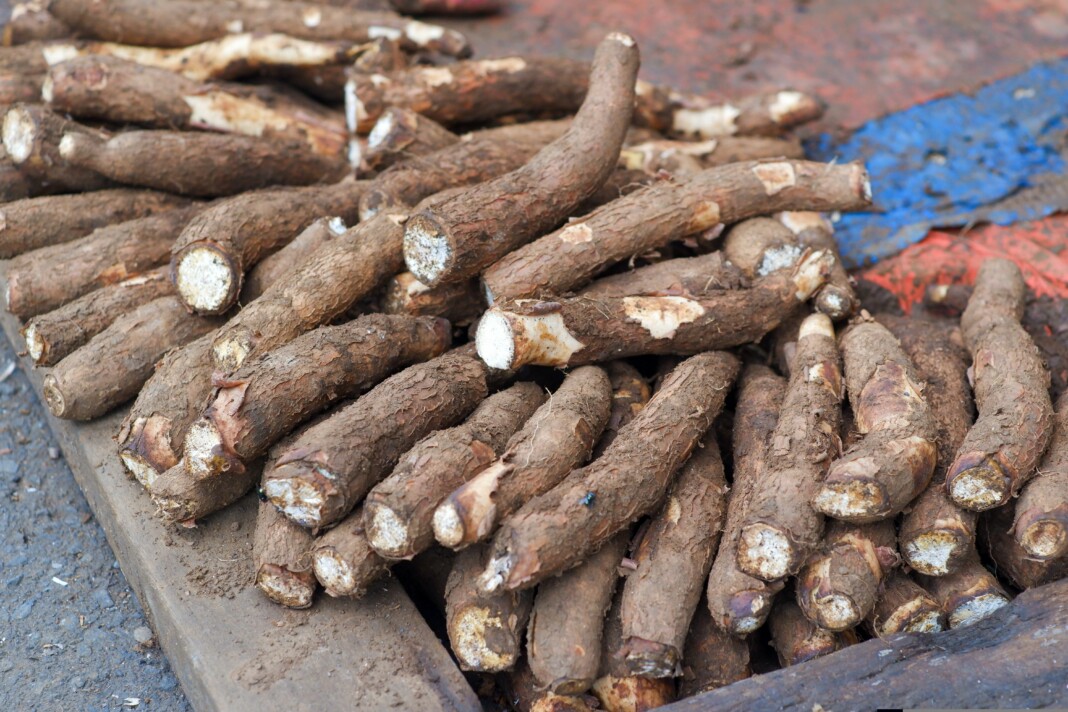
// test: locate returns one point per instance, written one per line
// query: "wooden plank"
(231, 648)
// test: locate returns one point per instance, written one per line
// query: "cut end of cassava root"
(141, 469)
(205, 279)
(387, 532)
(53, 394)
(204, 448)
(507, 340)
(36, 347)
(931, 553)
(427, 251)
(448, 525)
(847, 500)
(298, 499)
(288, 588)
(18, 134)
(835, 612)
(334, 573)
(976, 609)
(469, 634)
(765, 552)
(980, 487)
(1043, 539)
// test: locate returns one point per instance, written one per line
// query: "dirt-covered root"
(400, 509)
(580, 330)
(796, 639)
(770, 114)
(904, 606)
(275, 266)
(111, 368)
(651, 217)
(32, 22)
(837, 299)
(557, 438)
(622, 693)
(454, 240)
(1001, 451)
(331, 465)
(880, 474)
(181, 498)
(460, 303)
(1009, 558)
(740, 603)
(281, 554)
(343, 560)
(485, 631)
(1041, 525)
(33, 136)
(673, 556)
(711, 657)
(564, 638)
(53, 336)
(838, 586)
(553, 532)
(401, 134)
(968, 595)
(681, 276)
(630, 393)
(761, 246)
(683, 159)
(781, 528)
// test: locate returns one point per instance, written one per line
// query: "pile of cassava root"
(578, 347)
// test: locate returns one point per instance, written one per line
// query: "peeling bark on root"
(45, 279)
(796, 639)
(740, 603)
(652, 217)
(460, 303)
(180, 23)
(630, 393)
(674, 557)
(32, 22)
(181, 499)
(271, 395)
(1000, 452)
(53, 336)
(904, 606)
(275, 266)
(34, 223)
(760, 246)
(281, 554)
(781, 528)
(32, 137)
(560, 528)
(936, 535)
(557, 438)
(711, 658)
(837, 299)
(400, 509)
(838, 586)
(485, 631)
(476, 157)
(198, 164)
(401, 134)
(967, 595)
(456, 239)
(1010, 559)
(345, 564)
(217, 247)
(332, 464)
(113, 366)
(581, 330)
(567, 621)
(892, 463)
(1041, 525)
(682, 276)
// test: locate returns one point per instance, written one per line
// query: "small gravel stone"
(22, 611)
(102, 598)
(6, 665)
(143, 635)
(53, 453)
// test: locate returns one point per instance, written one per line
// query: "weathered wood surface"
(1017, 658)
(231, 648)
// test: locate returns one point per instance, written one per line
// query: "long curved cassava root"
(181, 499)
(904, 607)
(53, 336)
(32, 136)
(553, 532)
(740, 603)
(331, 465)
(460, 303)
(1041, 525)
(113, 366)
(270, 395)
(674, 556)
(936, 535)
(210, 257)
(1001, 451)
(781, 528)
(837, 299)
(681, 276)
(400, 509)
(184, 22)
(557, 438)
(581, 330)
(893, 461)
(344, 562)
(651, 217)
(45, 279)
(282, 562)
(683, 159)
(276, 265)
(456, 238)
(760, 246)
(34, 223)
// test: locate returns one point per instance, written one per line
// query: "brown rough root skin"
(345, 563)
(894, 459)
(674, 556)
(52, 220)
(1010, 559)
(567, 621)
(781, 528)
(332, 464)
(281, 553)
(740, 603)
(651, 217)
(53, 336)
(181, 498)
(630, 393)
(486, 632)
(456, 238)
(32, 22)
(1041, 525)
(274, 393)
(711, 657)
(796, 639)
(1001, 451)
(32, 136)
(904, 606)
(617, 690)
(400, 508)
(45, 279)
(113, 366)
(560, 528)
(447, 7)
(460, 303)
(968, 594)
(759, 246)
(838, 586)
(401, 134)
(936, 535)
(837, 299)
(275, 266)
(557, 438)
(682, 276)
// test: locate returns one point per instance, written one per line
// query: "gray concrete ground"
(72, 634)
